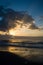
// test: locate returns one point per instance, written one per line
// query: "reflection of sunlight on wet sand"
(26, 52)
(19, 51)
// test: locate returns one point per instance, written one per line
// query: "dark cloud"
(9, 19)
(27, 18)
(33, 26)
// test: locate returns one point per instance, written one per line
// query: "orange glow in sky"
(22, 32)
(12, 32)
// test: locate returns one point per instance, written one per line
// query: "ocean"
(30, 48)
(29, 51)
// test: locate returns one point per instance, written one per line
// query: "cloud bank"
(10, 19)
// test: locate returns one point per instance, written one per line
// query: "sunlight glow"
(12, 32)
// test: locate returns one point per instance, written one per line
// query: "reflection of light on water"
(26, 52)
(23, 52)
(15, 40)
(19, 51)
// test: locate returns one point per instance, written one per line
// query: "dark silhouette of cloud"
(9, 19)
(33, 26)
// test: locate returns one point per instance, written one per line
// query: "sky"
(33, 8)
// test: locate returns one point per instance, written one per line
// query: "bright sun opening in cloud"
(12, 32)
